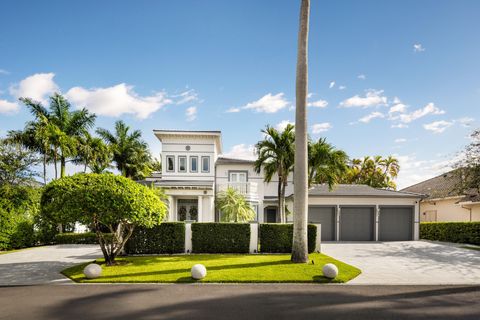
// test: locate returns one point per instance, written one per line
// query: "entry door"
(271, 215)
(187, 209)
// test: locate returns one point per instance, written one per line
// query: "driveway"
(409, 262)
(42, 265)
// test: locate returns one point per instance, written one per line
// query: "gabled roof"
(442, 186)
(358, 190)
(225, 160)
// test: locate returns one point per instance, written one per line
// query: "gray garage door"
(395, 224)
(326, 217)
(357, 224)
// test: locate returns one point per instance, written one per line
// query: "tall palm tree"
(130, 152)
(275, 156)
(93, 153)
(326, 164)
(376, 172)
(234, 207)
(300, 197)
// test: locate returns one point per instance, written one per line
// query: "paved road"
(67, 302)
(42, 265)
(409, 262)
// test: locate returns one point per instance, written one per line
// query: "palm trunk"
(62, 166)
(45, 168)
(55, 159)
(300, 245)
(279, 195)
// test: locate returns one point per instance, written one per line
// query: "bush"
(459, 232)
(220, 237)
(76, 238)
(168, 237)
(278, 238)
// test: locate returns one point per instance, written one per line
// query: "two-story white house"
(194, 171)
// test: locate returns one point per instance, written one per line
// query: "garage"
(395, 223)
(357, 223)
(325, 215)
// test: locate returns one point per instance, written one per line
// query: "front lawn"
(220, 268)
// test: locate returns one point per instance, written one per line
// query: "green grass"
(14, 250)
(233, 268)
(471, 248)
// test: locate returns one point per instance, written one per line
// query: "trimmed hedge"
(220, 237)
(278, 238)
(168, 237)
(459, 232)
(76, 238)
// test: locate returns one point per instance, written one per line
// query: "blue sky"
(386, 77)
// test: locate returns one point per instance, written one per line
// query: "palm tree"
(275, 156)
(300, 245)
(93, 153)
(325, 163)
(376, 172)
(130, 152)
(234, 207)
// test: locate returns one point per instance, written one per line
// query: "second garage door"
(395, 224)
(357, 224)
(326, 217)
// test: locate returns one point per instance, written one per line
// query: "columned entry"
(187, 209)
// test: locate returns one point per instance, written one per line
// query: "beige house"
(444, 202)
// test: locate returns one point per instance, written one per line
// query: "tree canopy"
(233, 207)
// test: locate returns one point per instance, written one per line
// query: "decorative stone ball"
(330, 270)
(199, 271)
(92, 271)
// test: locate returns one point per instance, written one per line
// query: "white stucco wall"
(446, 210)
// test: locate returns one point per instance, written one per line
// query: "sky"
(385, 77)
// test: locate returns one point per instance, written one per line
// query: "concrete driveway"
(42, 265)
(409, 262)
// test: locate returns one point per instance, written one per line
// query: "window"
(238, 176)
(193, 164)
(182, 164)
(205, 164)
(170, 163)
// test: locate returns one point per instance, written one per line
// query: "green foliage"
(377, 172)
(16, 163)
(168, 237)
(233, 206)
(468, 166)
(220, 237)
(277, 238)
(103, 201)
(78, 238)
(459, 232)
(326, 164)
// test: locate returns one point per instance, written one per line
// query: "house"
(444, 202)
(194, 171)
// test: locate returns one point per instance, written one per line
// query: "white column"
(188, 237)
(318, 239)
(338, 223)
(416, 221)
(253, 238)
(200, 208)
(171, 211)
(377, 219)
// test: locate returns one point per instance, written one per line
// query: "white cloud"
(342, 87)
(117, 100)
(187, 96)
(397, 107)
(331, 85)
(372, 98)
(37, 87)
(268, 103)
(371, 116)
(438, 126)
(428, 109)
(233, 110)
(413, 170)
(417, 47)
(362, 77)
(241, 151)
(4, 72)
(400, 140)
(318, 104)
(465, 121)
(321, 127)
(283, 124)
(8, 107)
(399, 125)
(191, 113)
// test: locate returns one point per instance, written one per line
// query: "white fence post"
(318, 239)
(188, 237)
(253, 237)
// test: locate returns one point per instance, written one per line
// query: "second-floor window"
(170, 163)
(193, 164)
(205, 164)
(182, 164)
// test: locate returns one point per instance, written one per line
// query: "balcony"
(248, 189)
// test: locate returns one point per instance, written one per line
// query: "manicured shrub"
(278, 238)
(459, 232)
(168, 237)
(220, 237)
(76, 238)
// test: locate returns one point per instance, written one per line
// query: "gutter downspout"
(469, 209)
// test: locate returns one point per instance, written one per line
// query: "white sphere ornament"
(330, 270)
(199, 271)
(92, 271)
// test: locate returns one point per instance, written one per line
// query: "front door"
(187, 209)
(271, 215)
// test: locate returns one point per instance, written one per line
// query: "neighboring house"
(444, 202)
(193, 172)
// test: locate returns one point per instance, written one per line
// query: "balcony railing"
(248, 189)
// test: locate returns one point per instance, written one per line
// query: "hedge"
(220, 237)
(278, 238)
(459, 232)
(76, 238)
(168, 237)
